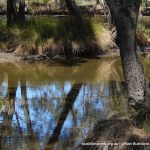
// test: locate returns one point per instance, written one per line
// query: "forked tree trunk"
(125, 14)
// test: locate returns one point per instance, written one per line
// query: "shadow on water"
(55, 107)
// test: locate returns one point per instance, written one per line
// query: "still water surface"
(55, 107)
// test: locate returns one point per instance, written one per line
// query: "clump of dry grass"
(26, 49)
(142, 39)
(116, 130)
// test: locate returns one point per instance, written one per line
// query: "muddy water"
(54, 107)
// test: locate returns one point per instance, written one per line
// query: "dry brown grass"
(142, 39)
(118, 131)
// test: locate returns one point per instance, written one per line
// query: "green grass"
(47, 33)
(44, 28)
(56, 32)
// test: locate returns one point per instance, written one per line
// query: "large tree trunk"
(125, 14)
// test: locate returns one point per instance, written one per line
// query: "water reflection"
(54, 107)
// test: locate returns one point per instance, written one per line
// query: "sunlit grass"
(56, 28)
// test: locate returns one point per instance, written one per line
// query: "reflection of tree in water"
(26, 109)
(39, 110)
(11, 132)
(117, 97)
(45, 104)
(69, 100)
(30, 135)
(6, 129)
(121, 126)
(95, 101)
(90, 71)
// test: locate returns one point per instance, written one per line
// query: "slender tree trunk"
(74, 11)
(62, 4)
(125, 14)
(11, 12)
(97, 2)
(22, 11)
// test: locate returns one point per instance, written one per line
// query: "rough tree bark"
(125, 14)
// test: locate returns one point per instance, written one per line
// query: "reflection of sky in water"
(45, 103)
(3, 89)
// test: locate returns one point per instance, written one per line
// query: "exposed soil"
(13, 57)
(9, 58)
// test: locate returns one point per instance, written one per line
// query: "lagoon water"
(55, 106)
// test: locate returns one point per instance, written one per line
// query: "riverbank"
(55, 39)
(14, 58)
(9, 58)
(57, 36)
